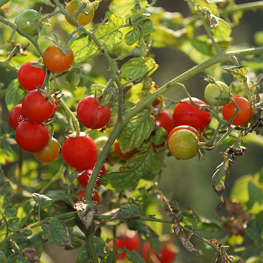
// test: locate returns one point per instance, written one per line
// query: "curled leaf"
(86, 212)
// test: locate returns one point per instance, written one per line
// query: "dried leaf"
(30, 253)
(86, 212)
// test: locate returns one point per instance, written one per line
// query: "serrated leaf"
(239, 73)
(83, 255)
(133, 256)
(158, 138)
(73, 176)
(14, 94)
(14, 224)
(42, 200)
(147, 27)
(223, 31)
(127, 211)
(10, 211)
(101, 248)
(132, 36)
(136, 131)
(55, 232)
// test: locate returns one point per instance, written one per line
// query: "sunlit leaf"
(239, 73)
(222, 31)
(42, 200)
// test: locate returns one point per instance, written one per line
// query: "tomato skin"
(91, 114)
(15, 116)
(49, 153)
(79, 152)
(29, 77)
(83, 18)
(125, 156)
(182, 143)
(244, 113)
(165, 120)
(32, 136)
(27, 21)
(188, 114)
(36, 107)
(84, 178)
(56, 61)
(182, 127)
(213, 93)
(81, 194)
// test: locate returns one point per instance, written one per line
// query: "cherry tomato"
(131, 240)
(244, 113)
(165, 120)
(125, 156)
(84, 17)
(91, 114)
(16, 115)
(32, 136)
(188, 114)
(36, 107)
(100, 143)
(79, 152)
(27, 20)
(30, 77)
(215, 96)
(81, 194)
(183, 143)
(56, 61)
(49, 153)
(84, 178)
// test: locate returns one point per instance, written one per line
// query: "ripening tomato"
(56, 61)
(81, 194)
(244, 113)
(16, 115)
(32, 136)
(84, 178)
(182, 142)
(84, 17)
(49, 153)
(91, 114)
(165, 120)
(36, 107)
(125, 156)
(79, 152)
(30, 77)
(188, 114)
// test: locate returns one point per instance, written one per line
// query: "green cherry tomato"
(84, 17)
(27, 20)
(183, 143)
(215, 96)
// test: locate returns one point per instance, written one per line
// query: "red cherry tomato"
(125, 156)
(81, 194)
(16, 115)
(32, 136)
(36, 107)
(91, 114)
(56, 61)
(30, 77)
(49, 153)
(188, 114)
(83, 18)
(84, 178)
(165, 120)
(244, 113)
(130, 240)
(79, 152)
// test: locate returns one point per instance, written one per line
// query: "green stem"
(20, 175)
(90, 245)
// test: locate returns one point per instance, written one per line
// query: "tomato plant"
(56, 60)
(182, 142)
(31, 77)
(192, 115)
(84, 17)
(244, 113)
(79, 152)
(49, 153)
(27, 20)
(165, 120)
(36, 107)
(81, 193)
(16, 115)
(125, 156)
(32, 136)
(84, 178)
(215, 95)
(91, 114)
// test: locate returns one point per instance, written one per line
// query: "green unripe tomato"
(27, 20)
(182, 144)
(215, 96)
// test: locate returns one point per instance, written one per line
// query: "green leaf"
(128, 211)
(134, 68)
(42, 200)
(160, 133)
(208, 4)
(147, 27)
(102, 250)
(2, 177)
(133, 256)
(132, 36)
(55, 231)
(83, 255)
(14, 94)
(2, 257)
(73, 176)
(14, 224)
(255, 197)
(222, 31)
(136, 131)
(10, 211)
(2, 2)
(133, 16)
(239, 73)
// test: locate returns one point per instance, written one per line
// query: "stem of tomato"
(20, 175)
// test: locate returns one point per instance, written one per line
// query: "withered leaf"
(86, 212)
